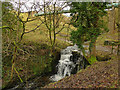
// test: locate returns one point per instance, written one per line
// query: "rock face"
(71, 61)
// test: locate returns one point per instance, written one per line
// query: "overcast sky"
(29, 3)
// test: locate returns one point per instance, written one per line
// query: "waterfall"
(69, 60)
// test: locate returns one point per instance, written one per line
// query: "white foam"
(65, 66)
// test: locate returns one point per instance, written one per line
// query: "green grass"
(38, 39)
(38, 45)
(41, 35)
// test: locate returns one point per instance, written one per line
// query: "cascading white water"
(65, 66)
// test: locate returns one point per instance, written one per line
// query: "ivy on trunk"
(87, 18)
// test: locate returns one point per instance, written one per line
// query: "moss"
(92, 60)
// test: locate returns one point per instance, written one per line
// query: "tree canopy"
(87, 18)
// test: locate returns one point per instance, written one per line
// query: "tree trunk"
(93, 49)
(118, 53)
(93, 39)
(111, 21)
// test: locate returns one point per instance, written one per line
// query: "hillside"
(100, 74)
(38, 63)
(41, 35)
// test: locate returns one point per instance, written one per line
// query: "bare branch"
(34, 28)
(61, 29)
(8, 28)
(46, 17)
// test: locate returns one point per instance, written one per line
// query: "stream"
(70, 62)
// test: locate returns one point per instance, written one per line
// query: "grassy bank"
(38, 60)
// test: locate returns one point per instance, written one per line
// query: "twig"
(8, 28)
(34, 28)
(18, 74)
(61, 29)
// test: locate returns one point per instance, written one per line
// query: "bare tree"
(12, 41)
(53, 19)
